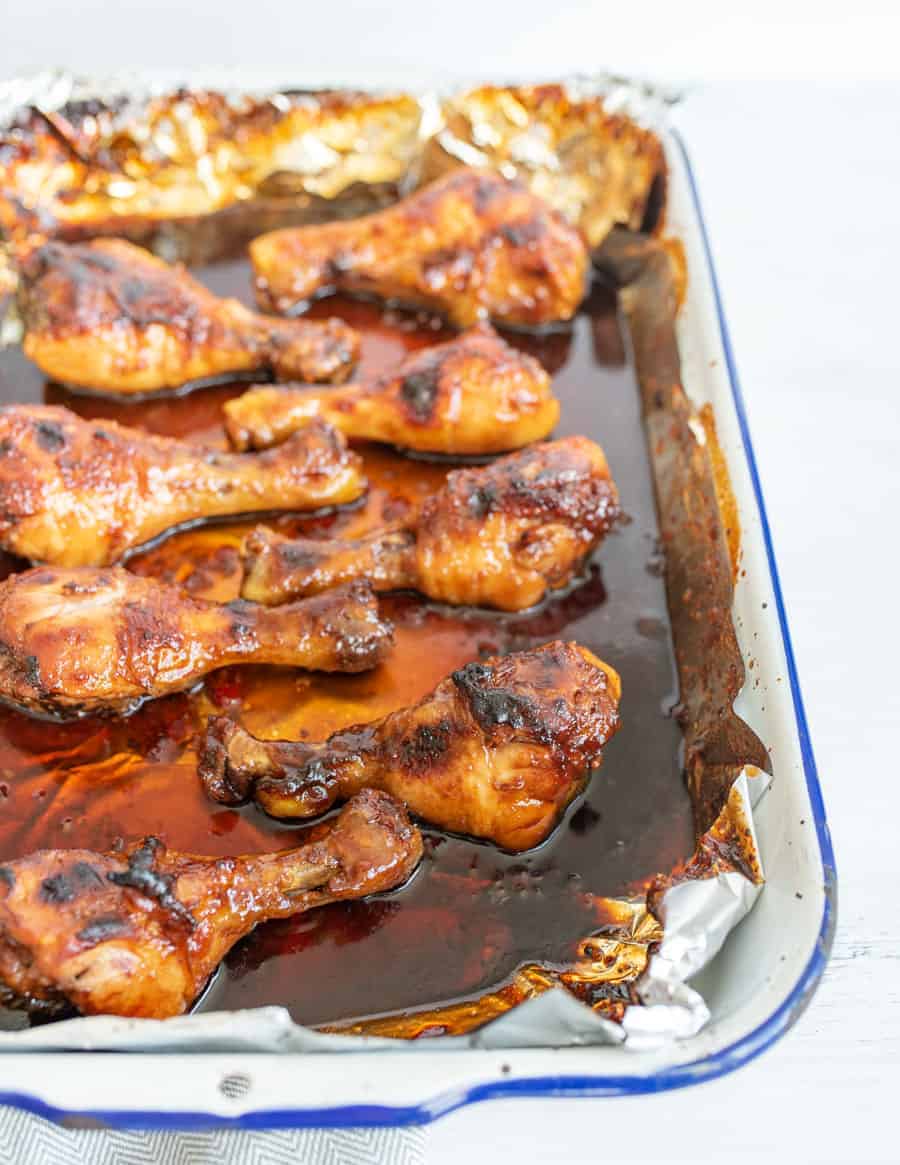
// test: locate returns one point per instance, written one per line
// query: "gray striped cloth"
(29, 1140)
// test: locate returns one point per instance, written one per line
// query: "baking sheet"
(680, 1012)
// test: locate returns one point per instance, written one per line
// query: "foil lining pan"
(194, 174)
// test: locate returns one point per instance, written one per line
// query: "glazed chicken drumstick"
(499, 535)
(75, 492)
(471, 395)
(473, 245)
(139, 933)
(87, 640)
(497, 750)
(109, 316)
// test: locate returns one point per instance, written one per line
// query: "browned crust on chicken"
(86, 640)
(500, 535)
(79, 492)
(472, 395)
(497, 750)
(473, 245)
(138, 933)
(109, 316)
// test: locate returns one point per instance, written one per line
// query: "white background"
(794, 129)
(435, 39)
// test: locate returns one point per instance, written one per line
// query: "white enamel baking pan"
(756, 987)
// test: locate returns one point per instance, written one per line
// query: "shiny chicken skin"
(88, 640)
(139, 933)
(497, 750)
(499, 535)
(471, 395)
(472, 245)
(109, 316)
(75, 492)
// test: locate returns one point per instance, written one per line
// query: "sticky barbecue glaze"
(474, 914)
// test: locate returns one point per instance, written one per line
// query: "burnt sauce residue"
(472, 915)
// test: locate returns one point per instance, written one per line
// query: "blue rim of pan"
(680, 1076)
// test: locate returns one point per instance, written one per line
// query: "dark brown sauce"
(471, 915)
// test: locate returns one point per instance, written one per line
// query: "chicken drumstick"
(499, 535)
(473, 245)
(109, 316)
(86, 640)
(139, 933)
(83, 493)
(471, 395)
(497, 750)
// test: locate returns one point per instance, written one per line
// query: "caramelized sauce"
(472, 915)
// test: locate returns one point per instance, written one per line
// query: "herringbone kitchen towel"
(28, 1140)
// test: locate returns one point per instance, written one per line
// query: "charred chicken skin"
(139, 933)
(109, 316)
(471, 395)
(497, 750)
(77, 493)
(499, 535)
(87, 640)
(472, 245)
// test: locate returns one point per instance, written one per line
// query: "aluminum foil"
(78, 158)
(195, 173)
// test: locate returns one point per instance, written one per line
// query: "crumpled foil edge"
(50, 89)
